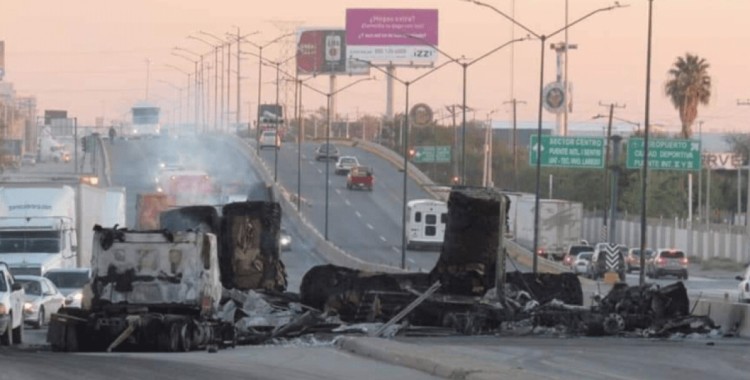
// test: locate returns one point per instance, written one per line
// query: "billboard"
(723, 161)
(407, 36)
(324, 52)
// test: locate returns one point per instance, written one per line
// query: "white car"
(70, 282)
(270, 139)
(11, 308)
(42, 299)
(345, 164)
(744, 286)
(581, 263)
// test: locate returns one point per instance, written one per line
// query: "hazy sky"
(89, 56)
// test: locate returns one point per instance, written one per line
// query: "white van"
(270, 139)
(425, 224)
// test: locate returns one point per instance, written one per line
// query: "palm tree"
(689, 85)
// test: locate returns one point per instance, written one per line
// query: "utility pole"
(605, 206)
(239, 108)
(746, 102)
(515, 103)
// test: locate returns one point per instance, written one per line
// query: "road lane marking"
(397, 250)
(382, 238)
(346, 202)
(357, 213)
(372, 228)
(412, 261)
(338, 191)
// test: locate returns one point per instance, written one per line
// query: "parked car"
(572, 253)
(326, 152)
(633, 258)
(360, 177)
(345, 164)
(285, 240)
(668, 261)
(606, 259)
(11, 308)
(744, 286)
(28, 159)
(581, 263)
(42, 299)
(70, 282)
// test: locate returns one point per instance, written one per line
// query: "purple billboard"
(390, 27)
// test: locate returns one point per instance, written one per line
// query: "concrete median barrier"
(734, 318)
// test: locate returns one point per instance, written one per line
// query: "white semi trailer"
(45, 225)
(560, 224)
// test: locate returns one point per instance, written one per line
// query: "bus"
(145, 122)
(425, 224)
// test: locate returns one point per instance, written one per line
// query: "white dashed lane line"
(412, 261)
(397, 250)
(358, 214)
(372, 228)
(382, 238)
(346, 201)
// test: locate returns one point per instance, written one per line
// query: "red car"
(360, 177)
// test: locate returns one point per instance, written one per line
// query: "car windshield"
(29, 241)
(585, 255)
(672, 254)
(68, 279)
(30, 286)
(348, 160)
(576, 249)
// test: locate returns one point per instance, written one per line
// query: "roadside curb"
(430, 360)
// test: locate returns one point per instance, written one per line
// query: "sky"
(92, 57)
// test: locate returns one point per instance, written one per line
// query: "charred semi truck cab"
(155, 289)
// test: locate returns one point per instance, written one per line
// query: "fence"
(699, 240)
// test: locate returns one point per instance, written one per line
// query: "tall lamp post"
(642, 276)
(198, 79)
(405, 143)
(179, 99)
(328, 96)
(465, 66)
(542, 39)
(216, 75)
(260, 75)
(187, 96)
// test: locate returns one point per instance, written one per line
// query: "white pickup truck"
(11, 308)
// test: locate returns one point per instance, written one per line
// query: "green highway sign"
(568, 152)
(665, 154)
(424, 154)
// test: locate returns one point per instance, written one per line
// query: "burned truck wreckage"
(212, 278)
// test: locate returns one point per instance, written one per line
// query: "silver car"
(581, 263)
(70, 281)
(41, 301)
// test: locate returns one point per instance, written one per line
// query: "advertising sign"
(392, 35)
(271, 114)
(324, 52)
(421, 115)
(723, 161)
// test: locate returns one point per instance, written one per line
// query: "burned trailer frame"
(466, 270)
(248, 237)
(149, 291)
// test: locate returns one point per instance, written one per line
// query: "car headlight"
(285, 240)
(3, 310)
(28, 307)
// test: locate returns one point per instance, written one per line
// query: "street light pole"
(260, 74)
(644, 176)
(405, 143)
(465, 67)
(542, 39)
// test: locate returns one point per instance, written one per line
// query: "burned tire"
(7, 337)
(18, 334)
(186, 337)
(622, 276)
